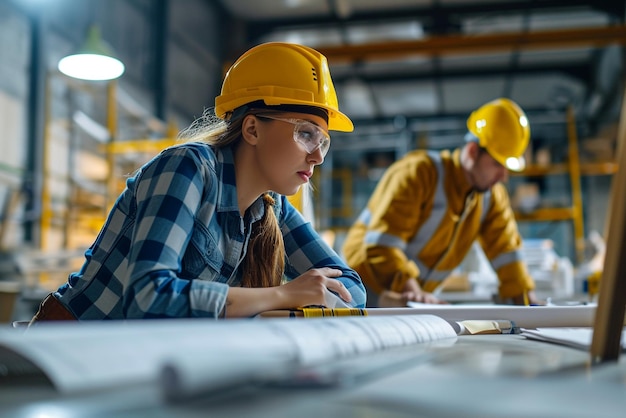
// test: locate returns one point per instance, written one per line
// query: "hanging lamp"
(94, 61)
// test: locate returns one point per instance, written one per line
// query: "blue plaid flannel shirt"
(174, 240)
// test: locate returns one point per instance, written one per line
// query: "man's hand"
(529, 298)
(412, 292)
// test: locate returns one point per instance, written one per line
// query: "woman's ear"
(249, 129)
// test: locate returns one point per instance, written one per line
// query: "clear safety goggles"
(307, 134)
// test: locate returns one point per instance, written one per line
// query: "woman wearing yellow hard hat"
(430, 207)
(205, 229)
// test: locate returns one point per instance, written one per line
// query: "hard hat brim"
(337, 121)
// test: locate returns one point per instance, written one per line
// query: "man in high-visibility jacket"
(429, 208)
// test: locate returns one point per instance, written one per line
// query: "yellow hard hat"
(502, 129)
(282, 74)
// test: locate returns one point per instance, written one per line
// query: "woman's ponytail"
(264, 263)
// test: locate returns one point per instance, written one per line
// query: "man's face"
(486, 171)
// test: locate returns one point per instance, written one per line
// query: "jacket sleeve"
(168, 195)
(396, 211)
(502, 243)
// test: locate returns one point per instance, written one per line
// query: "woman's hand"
(310, 288)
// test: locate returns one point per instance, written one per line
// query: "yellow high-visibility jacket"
(421, 221)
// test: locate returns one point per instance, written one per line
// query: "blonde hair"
(264, 263)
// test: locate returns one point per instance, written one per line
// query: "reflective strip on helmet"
(506, 258)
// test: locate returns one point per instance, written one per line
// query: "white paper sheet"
(523, 316)
(580, 338)
(206, 354)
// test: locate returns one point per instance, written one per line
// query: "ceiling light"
(94, 61)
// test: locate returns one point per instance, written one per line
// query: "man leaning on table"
(429, 207)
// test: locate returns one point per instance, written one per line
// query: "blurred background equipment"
(407, 72)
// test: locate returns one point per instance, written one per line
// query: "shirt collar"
(227, 187)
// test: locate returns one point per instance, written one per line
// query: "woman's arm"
(306, 250)
(308, 289)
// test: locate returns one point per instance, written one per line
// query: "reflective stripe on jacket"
(421, 221)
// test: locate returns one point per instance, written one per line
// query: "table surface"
(476, 376)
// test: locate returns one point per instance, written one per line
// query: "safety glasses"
(307, 134)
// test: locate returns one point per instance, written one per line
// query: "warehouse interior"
(408, 73)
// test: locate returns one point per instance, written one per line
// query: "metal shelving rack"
(575, 170)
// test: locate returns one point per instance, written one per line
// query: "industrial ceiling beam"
(456, 44)
(431, 16)
(582, 71)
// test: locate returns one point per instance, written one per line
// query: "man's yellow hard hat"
(282, 74)
(502, 128)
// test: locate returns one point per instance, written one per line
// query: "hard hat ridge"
(502, 128)
(281, 74)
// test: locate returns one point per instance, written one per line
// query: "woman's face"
(284, 163)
